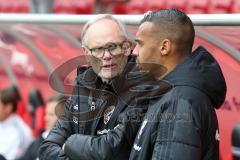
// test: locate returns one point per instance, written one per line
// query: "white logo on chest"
(142, 127)
(137, 148)
(217, 135)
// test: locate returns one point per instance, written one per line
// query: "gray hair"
(100, 17)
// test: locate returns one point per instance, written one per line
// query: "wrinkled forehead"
(103, 32)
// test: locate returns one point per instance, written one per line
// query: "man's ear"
(165, 47)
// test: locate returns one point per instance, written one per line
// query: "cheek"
(94, 62)
(143, 54)
(121, 61)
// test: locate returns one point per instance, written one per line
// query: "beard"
(106, 74)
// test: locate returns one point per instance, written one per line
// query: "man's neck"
(170, 66)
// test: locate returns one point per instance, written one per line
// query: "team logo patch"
(75, 119)
(107, 114)
(75, 107)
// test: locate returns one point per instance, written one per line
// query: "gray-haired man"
(107, 47)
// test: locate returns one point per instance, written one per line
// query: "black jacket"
(32, 151)
(69, 127)
(182, 124)
(114, 144)
(95, 98)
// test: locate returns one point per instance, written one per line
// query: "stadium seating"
(74, 6)
(220, 6)
(106, 1)
(235, 6)
(63, 6)
(14, 6)
(127, 6)
(84, 7)
(179, 4)
(155, 4)
(131, 7)
(22, 6)
(5, 6)
(198, 7)
(120, 1)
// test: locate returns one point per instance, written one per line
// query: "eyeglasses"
(113, 48)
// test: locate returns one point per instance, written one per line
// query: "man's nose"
(107, 55)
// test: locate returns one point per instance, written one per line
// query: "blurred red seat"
(84, 6)
(220, 6)
(63, 6)
(5, 6)
(155, 4)
(120, 1)
(23, 6)
(112, 1)
(178, 4)
(235, 6)
(131, 7)
(106, 1)
(74, 6)
(197, 7)
(14, 6)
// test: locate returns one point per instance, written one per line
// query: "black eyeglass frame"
(126, 49)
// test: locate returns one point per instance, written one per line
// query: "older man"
(107, 47)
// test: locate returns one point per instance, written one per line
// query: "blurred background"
(117, 6)
(29, 53)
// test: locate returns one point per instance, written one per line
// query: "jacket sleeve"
(51, 147)
(178, 133)
(82, 147)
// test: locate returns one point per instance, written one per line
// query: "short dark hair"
(173, 24)
(8, 96)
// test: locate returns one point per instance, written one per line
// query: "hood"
(201, 71)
